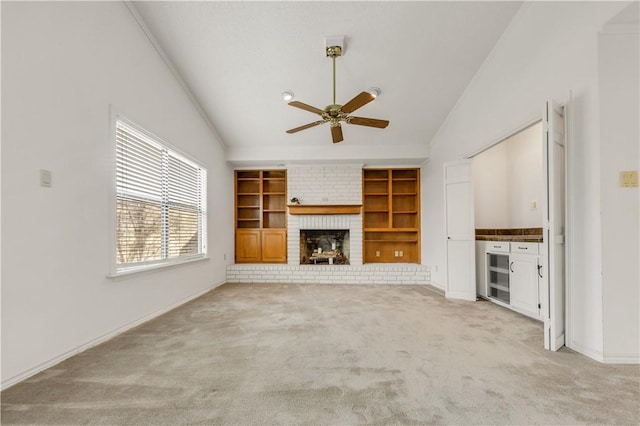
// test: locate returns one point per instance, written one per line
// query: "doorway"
(520, 200)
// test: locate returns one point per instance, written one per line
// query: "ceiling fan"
(335, 113)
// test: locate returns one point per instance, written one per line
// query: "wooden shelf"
(306, 209)
(391, 229)
(391, 215)
(261, 238)
(386, 241)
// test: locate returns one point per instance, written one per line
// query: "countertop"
(514, 238)
(523, 235)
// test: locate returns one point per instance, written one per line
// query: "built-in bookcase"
(261, 216)
(391, 215)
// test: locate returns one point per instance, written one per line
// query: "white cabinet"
(523, 280)
(511, 274)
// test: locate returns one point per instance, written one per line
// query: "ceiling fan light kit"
(335, 113)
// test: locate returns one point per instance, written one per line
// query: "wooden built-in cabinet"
(391, 215)
(260, 216)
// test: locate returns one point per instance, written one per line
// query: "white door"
(554, 223)
(459, 217)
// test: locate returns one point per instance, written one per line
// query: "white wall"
(524, 178)
(619, 132)
(490, 188)
(63, 64)
(548, 49)
(507, 178)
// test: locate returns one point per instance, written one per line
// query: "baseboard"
(560, 341)
(101, 339)
(622, 358)
(471, 297)
(590, 353)
(436, 289)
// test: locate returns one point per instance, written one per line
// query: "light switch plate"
(629, 179)
(45, 178)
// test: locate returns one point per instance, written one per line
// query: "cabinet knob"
(540, 271)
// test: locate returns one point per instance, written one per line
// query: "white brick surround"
(325, 185)
(352, 222)
(394, 274)
(328, 185)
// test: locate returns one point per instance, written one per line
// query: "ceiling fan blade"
(336, 133)
(306, 126)
(371, 122)
(360, 100)
(306, 107)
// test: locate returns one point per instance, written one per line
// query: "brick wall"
(325, 184)
(389, 274)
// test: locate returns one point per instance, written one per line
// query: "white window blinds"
(160, 201)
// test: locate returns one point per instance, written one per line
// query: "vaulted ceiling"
(237, 58)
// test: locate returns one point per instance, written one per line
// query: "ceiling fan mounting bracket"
(334, 41)
(334, 51)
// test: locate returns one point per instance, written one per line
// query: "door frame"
(568, 232)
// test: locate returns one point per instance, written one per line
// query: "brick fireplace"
(327, 188)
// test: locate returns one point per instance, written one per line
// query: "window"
(160, 202)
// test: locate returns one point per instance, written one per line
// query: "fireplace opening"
(330, 247)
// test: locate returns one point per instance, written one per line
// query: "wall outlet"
(377, 253)
(534, 205)
(629, 179)
(401, 253)
(395, 253)
(45, 178)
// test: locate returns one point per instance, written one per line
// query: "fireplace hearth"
(329, 247)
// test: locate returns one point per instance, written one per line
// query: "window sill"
(147, 268)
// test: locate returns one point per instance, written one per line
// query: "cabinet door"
(248, 246)
(523, 280)
(274, 245)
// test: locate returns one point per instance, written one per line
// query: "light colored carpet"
(335, 354)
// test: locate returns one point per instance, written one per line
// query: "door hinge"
(539, 306)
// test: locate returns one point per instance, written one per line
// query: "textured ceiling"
(237, 58)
